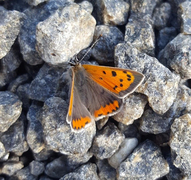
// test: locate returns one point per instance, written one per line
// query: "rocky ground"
(150, 138)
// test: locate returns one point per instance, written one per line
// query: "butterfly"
(97, 92)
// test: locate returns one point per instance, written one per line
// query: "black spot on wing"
(115, 87)
(114, 73)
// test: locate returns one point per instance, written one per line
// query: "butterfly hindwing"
(119, 81)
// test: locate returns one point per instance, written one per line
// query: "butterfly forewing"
(119, 81)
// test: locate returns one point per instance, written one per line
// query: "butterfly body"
(97, 92)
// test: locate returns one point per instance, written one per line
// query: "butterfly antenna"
(91, 47)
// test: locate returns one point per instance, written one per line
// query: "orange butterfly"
(97, 92)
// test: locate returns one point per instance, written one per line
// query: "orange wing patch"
(108, 109)
(80, 123)
(113, 79)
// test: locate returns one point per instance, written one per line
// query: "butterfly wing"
(119, 81)
(78, 115)
(99, 101)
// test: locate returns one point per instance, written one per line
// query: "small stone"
(2, 150)
(165, 36)
(35, 2)
(8, 66)
(16, 132)
(143, 7)
(43, 155)
(9, 168)
(86, 5)
(27, 35)
(74, 161)
(22, 92)
(174, 173)
(64, 34)
(10, 109)
(103, 51)
(180, 143)
(105, 171)
(184, 13)
(139, 32)
(112, 12)
(46, 83)
(102, 122)
(36, 168)
(154, 123)
(87, 171)
(133, 108)
(129, 131)
(176, 55)
(182, 105)
(23, 174)
(5, 157)
(34, 133)
(22, 79)
(160, 84)
(161, 15)
(127, 146)
(65, 164)
(57, 132)
(107, 142)
(10, 25)
(146, 162)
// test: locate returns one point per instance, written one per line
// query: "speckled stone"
(8, 66)
(165, 35)
(184, 12)
(176, 55)
(87, 171)
(105, 171)
(36, 168)
(65, 164)
(16, 132)
(57, 132)
(34, 132)
(10, 167)
(27, 35)
(64, 34)
(180, 143)
(161, 16)
(112, 12)
(103, 51)
(139, 32)
(133, 108)
(10, 25)
(154, 123)
(46, 83)
(146, 162)
(107, 142)
(10, 109)
(23, 174)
